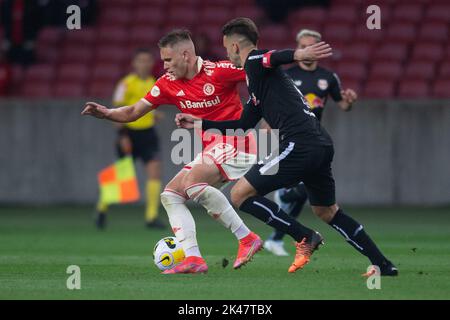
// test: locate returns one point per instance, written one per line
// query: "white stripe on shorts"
(280, 157)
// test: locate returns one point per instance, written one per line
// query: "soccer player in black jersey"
(306, 149)
(316, 84)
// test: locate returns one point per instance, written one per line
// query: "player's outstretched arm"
(122, 114)
(316, 51)
(187, 121)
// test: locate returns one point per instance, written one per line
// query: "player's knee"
(169, 197)
(326, 214)
(237, 197)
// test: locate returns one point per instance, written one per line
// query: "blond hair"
(308, 33)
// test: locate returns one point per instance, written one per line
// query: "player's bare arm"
(316, 51)
(349, 96)
(122, 114)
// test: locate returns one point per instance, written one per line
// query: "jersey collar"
(199, 64)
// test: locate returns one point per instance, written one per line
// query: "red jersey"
(212, 94)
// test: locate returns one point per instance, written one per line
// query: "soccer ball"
(167, 253)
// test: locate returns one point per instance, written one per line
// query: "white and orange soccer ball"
(167, 253)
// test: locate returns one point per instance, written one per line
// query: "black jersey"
(316, 86)
(274, 97)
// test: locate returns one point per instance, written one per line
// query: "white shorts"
(232, 163)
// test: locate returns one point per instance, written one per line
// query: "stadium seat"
(115, 16)
(101, 89)
(106, 72)
(69, 89)
(182, 16)
(342, 13)
(47, 53)
(112, 35)
(251, 11)
(433, 31)
(390, 51)
(444, 70)
(144, 36)
(427, 51)
(368, 36)
(411, 12)
(113, 54)
(413, 89)
(356, 51)
(441, 88)
(351, 70)
(338, 32)
(353, 84)
(214, 16)
(419, 70)
(402, 32)
(148, 16)
(40, 73)
(85, 36)
(49, 35)
(309, 15)
(37, 90)
(386, 70)
(274, 33)
(379, 89)
(75, 53)
(73, 72)
(438, 13)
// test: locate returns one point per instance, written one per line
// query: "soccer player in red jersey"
(207, 90)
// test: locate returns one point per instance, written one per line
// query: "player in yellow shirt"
(139, 138)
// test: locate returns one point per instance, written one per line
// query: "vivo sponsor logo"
(200, 104)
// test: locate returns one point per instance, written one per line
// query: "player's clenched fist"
(187, 121)
(95, 110)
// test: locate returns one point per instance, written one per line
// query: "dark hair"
(242, 26)
(138, 51)
(173, 37)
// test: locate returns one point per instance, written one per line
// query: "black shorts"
(294, 164)
(145, 144)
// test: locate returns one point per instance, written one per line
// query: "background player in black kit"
(316, 84)
(305, 153)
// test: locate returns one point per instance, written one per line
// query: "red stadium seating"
(434, 31)
(403, 32)
(106, 72)
(441, 88)
(379, 89)
(146, 16)
(112, 54)
(410, 12)
(214, 16)
(369, 36)
(85, 36)
(391, 51)
(343, 13)
(182, 16)
(73, 72)
(438, 13)
(101, 89)
(69, 89)
(49, 35)
(40, 73)
(356, 51)
(111, 16)
(427, 51)
(309, 15)
(337, 32)
(386, 70)
(444, 70)
(37, 90)
(413, 89)
(351, 70)
(112, 35)
(420, 70)
(76, 53)
(46, 53)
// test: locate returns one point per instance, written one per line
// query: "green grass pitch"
(38, 244)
